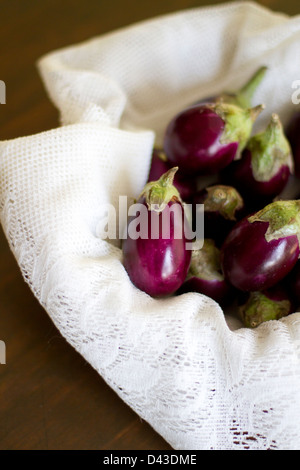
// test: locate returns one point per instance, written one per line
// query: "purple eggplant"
(262, 249)
(157, 258)
(205, 275)
(203, 139)
(266, 165)
(159, 165)
(293, 135)
(257, 307)
(223, 206)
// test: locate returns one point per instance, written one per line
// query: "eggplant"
(205, 138)
(205, 275)
(263, 248)
(257, 307)
(266, 165)
(293, 135)
(159, 165)
(157, 258)
(223, 206)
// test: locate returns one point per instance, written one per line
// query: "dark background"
(50, 398)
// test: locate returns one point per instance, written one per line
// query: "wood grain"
(50, 398)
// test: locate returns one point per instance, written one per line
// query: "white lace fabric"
(195, 375)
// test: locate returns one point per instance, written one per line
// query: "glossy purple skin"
(220, 291)
(185, 186)
(158, 266)
(293, 135)
(192, 141)
(242, 178)
(250, 263)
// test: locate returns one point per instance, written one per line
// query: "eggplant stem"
(247, 91)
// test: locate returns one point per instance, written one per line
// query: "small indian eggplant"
(159, 165)
(266, 164)
(262, 249)
(155, 253)
(205, 138)
(261, 306)
(293, 135)
(223, 206)
(205, 275)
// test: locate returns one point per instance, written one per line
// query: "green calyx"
(238, 123)
(283, 218)
(270, 150)
(159, 193)
(223, 199)
(206, 263)
(260, 308)
(243, 97)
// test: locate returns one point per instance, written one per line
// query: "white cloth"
(197, 377)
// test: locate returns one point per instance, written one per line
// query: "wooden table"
(50, 398)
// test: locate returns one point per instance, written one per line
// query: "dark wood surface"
(50, 398)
